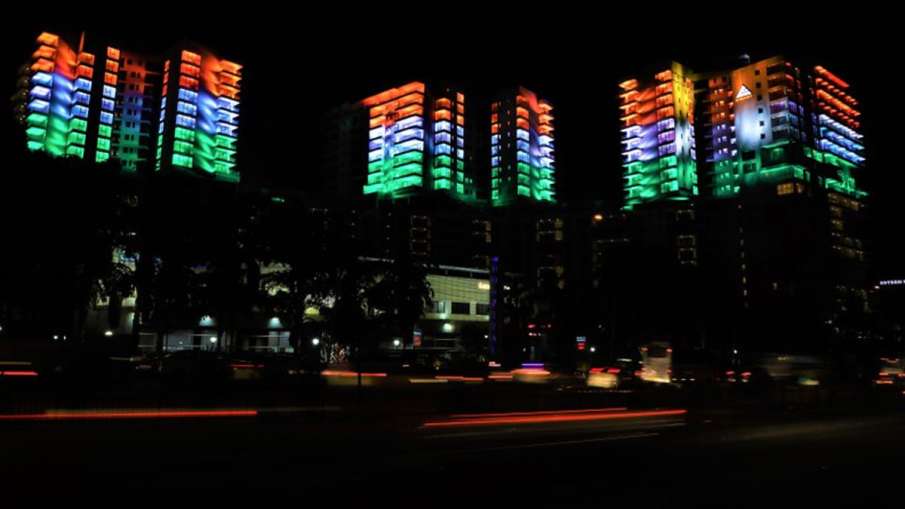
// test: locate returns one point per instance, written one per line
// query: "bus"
(656, 362)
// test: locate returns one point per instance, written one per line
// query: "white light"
(55, 337)
(593, 349)
(396, 342)
(734, 351)
(108, 333)
(448, 327)
(315, 341)
(483, 285)
(212, 339)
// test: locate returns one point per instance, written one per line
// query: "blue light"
(80, 111)
(184, 121)
(109, 91)
(42, 78)
(106, 117)
(188, 95)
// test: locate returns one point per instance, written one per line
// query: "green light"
(101, 156)
(78, 124)
(103, 144)
(37, 119)
(182, 160)
(184, 134)
(105, 131)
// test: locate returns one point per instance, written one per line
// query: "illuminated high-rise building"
(772, 122)
(124, 114)
(107, 104)
(522, 155)
(54, 96)
(416, 143)
(199, 115)
(658, 143)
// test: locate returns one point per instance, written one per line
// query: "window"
(482, 309)
(760, 110)
(439, 306)
(757, 85)
(760, 97)
(757, 72)
(461, 308)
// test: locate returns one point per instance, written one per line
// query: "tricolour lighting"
(205, 110)
(58, 97)
(522, 156)
(658, 138)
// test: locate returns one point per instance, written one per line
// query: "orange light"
(540, 412)
(629, 84)
(830, 76)
(531, 372)
(128, 414)
(551, 417)
(349, 374)
(192, 58)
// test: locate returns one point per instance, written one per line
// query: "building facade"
(100, 103)
(522, 156)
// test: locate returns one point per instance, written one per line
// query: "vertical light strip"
(108, 105)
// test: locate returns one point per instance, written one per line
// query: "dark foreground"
(571, 449)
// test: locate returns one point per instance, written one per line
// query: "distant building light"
(212, 339)
(593, 349)
(315, 341)
(598, 218)
(396, 343)
(108, 333)
(448, 327)
(206, 321)
(892, 282)
(275, 323)
(483, 285)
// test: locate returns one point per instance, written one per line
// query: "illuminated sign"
(743, 93)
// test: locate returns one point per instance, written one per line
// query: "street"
(652, 457)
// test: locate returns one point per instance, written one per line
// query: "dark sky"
(295, 70)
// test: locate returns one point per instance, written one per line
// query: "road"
(564, 458)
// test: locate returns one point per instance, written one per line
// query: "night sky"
(295, 71)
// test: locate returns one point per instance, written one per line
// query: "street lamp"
(593, 349)
(212, 339)
(108, 333)
(315, 341)
(396, 343)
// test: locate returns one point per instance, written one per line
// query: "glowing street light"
(315, 341)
